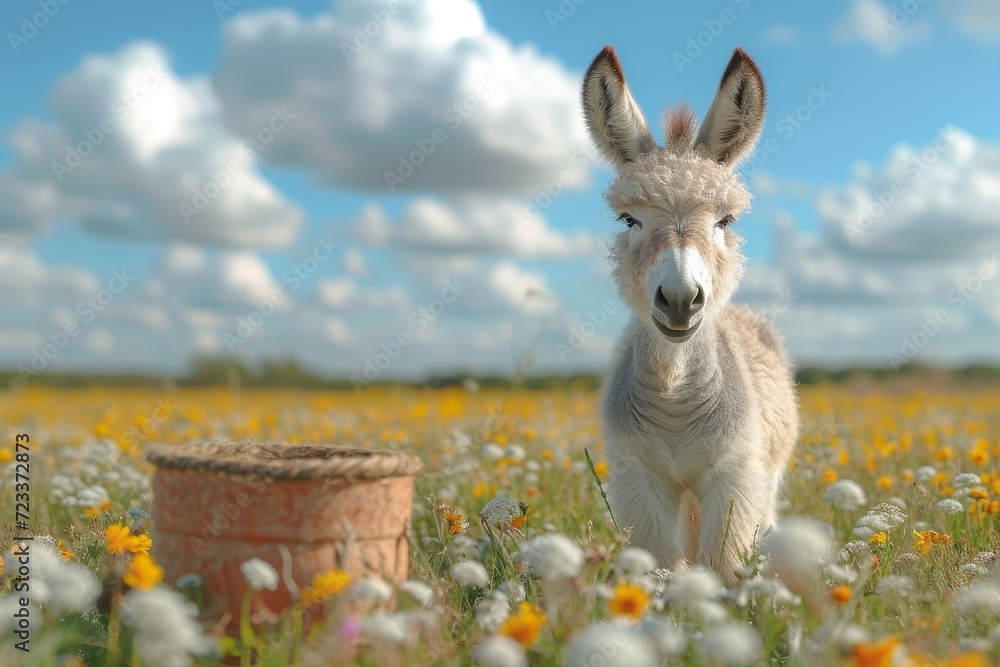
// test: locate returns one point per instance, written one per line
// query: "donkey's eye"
(629, 220)
(722, 224)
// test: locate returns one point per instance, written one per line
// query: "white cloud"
(130, 144)
(466, 227)
(884, 28)
(781, 33)
(925, 261)
(491, 116)
(979, 18)
(938, 202)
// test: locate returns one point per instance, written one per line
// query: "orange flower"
(878, 654)
(629, 600)
(457, 521)
(978, 494)
(841, 594)
(324, 586)
(884, 482)
(143, 572)
(601, 468)
(524, 625)
(139, 544)
(118, 537)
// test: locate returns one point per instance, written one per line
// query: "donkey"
(699, 409)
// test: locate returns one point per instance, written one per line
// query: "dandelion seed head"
(470, 573)
(419, 591)
(259, 574)
(634, 561)
(611, 644)
(732, 644)
(552, 556)
(372, 589)
(693, 585)
(500, 651)
(949, 506)
(846, 494)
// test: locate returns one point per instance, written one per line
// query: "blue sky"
(883, 80)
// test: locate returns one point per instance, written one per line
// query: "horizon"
(343, 183)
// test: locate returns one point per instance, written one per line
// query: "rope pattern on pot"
(286, 461)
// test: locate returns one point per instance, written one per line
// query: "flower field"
(886, 553)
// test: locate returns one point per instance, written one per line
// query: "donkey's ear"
(616, 124)
(736, 118)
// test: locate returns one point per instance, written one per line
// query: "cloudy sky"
(412, 179)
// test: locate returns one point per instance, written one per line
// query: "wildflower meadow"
(886, 551)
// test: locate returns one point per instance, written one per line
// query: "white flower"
(491, 451)
(949, 506)
(611, 644)
(797, 543)
(470, 573)
(771, 589)
(492, 611)
(513, 589)
(514, 452)
(731, 644)
(843, 634)
(391, 627)
(552, 556)
(633, 560)
(965, 481)
(500, 652)
(982, 596)
(666, 637)
(259, 574)
(463, 547)
(895, 585)
(879, 519)
(974, 570)
(846, 494)
(59, 586)
(924, 473)
(419, 591)
(167, 629)
(694, 585)
(839, 574)
(372, 589)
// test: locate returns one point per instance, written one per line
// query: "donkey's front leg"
(733, 499)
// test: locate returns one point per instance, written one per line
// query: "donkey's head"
(679, 258)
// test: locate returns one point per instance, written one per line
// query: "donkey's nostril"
(698, 302)
(660, 300)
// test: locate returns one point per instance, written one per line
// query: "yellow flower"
(878, 654)
(524, 625)
(884, 482)
(143, 572)
(629, 600)
(118, 537)
(139, 544)
(944, 454)
(601, 469)
(841, 594)
(324, 586)
(923, 541)
(65, 553)
(457, 521)
(878, 538)
(978, 494)
(828, 477)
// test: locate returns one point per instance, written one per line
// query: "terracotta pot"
(218, 505)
